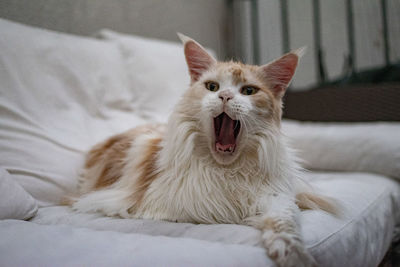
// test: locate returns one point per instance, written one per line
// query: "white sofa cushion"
(371, 210)
(28, 244)
(15, 202)
(157, 72)
(59, 95)
(364, 147)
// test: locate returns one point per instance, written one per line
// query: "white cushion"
(362, 236)
(59, 95)
(157, 71)
(15, 202)
(370, 207)
(366, 147)
(29, 244)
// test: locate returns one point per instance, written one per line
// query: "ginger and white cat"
(221, 158)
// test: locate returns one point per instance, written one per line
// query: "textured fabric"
(15, 202)
(365, 147)
(59, 95)
(370, 207)
(29, 244)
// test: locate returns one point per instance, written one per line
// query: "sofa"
(60, 94)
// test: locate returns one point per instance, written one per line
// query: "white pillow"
(15, 202)
(59, 94)
(157, 71)
(359, 147)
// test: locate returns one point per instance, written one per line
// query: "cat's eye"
(212, 86)
(248, 90)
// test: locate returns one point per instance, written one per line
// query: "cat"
(221, 158)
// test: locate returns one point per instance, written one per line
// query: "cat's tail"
(70, 197)
(68, 200)
(313, 201)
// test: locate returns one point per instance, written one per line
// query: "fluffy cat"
(220, 159)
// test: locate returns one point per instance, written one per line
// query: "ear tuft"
(197, 58)
(183, 37)
(300, 52)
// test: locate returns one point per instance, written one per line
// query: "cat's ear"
(197, 58)
(279, 73)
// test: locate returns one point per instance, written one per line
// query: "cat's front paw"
(84, 206)
(287, 250)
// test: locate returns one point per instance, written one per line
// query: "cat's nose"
(225, 96)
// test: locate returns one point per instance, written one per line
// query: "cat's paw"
(287, 250)
(84, 206)
(80, 205)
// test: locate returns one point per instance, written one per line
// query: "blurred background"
(349, 73)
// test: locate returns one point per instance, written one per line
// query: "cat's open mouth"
(226, 132)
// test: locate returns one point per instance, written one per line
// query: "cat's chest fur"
(203, 192)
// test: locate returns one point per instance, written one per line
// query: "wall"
(205, 20)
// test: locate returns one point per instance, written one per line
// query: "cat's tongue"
(226, 140)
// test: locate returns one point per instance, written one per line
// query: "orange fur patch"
(265, 100)
(109, 157)
(238, 75)
(312, 201)
(148, 170)
(111, 154)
